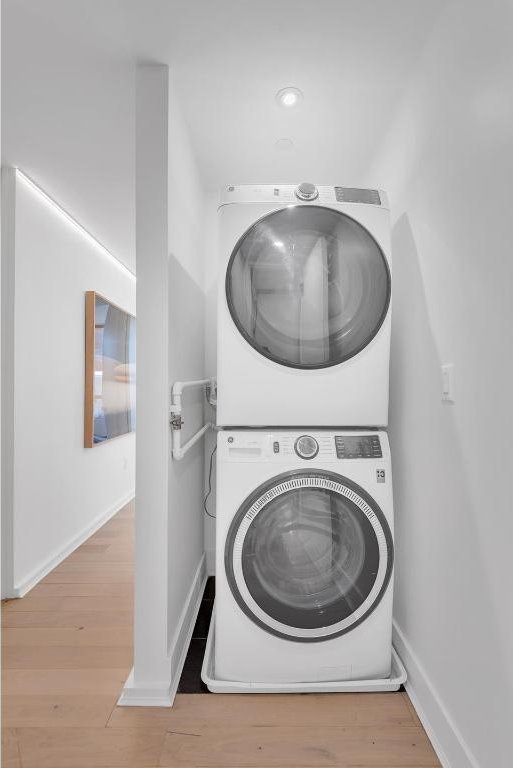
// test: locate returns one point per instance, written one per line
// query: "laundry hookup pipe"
(180, 450)
(176, 420)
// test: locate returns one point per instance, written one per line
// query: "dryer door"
(308, 287)
(309, 556)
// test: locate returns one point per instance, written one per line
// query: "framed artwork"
(109, 407)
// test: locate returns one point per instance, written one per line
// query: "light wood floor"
(67, 650)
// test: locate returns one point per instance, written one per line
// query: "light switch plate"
(448, 383)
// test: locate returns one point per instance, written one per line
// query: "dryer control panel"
(304, 194)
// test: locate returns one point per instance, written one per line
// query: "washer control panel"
(282, 446)
(358, 447)
(306, 447)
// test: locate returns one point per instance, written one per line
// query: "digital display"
(358, 447)
(355, 195)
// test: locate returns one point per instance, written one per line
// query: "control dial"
(306, 447)
(307, 191)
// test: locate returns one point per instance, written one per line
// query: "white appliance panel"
(249, 652)
(277, 339)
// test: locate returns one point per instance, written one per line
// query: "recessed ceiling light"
(289, 97)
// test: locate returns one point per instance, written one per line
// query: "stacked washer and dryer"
(304, 529)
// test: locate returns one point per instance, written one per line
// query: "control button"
(376, 447)
(306, 447)
(340, 448)
(230, 439)
(276, 446)
(307, 191)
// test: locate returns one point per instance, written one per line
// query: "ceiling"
(350, 58)
(68, 91)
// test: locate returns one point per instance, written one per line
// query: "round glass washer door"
(309, 556)
(308, 286)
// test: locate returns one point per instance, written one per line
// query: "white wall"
(170, 565)
(61, 490)
(448, 164)
(211, 287)
(151, 672)
(68, 114)
(3, 565)
(186, 362)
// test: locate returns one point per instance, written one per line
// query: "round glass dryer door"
(308, 287)
(309, 556)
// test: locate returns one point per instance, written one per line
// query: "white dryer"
(304, 556)
(303, 306)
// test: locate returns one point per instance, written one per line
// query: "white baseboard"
(145, 696)
(163, 694)
(211, 562)
(447, 741)
(21, 589)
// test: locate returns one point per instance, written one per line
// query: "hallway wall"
(447, 164)
(61, 491)
(68, 121)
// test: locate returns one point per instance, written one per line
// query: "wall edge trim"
(21, 589)
(7, 292)
(445, 737)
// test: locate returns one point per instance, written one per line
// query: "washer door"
(308, 287)
(309, 556)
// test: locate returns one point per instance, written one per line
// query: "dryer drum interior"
(309, 556)
(308, 286)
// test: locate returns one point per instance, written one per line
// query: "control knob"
(307, 191)
(306, 447)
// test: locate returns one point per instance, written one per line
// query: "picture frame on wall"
(109, 403)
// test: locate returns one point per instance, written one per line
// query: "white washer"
(304, 306)
(304, 556)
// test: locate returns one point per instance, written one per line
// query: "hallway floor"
(67, 650)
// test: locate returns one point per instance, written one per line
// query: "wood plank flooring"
(67, 650)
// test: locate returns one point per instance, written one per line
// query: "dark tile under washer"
(210, 589)
(190, 680)
(200, 631)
